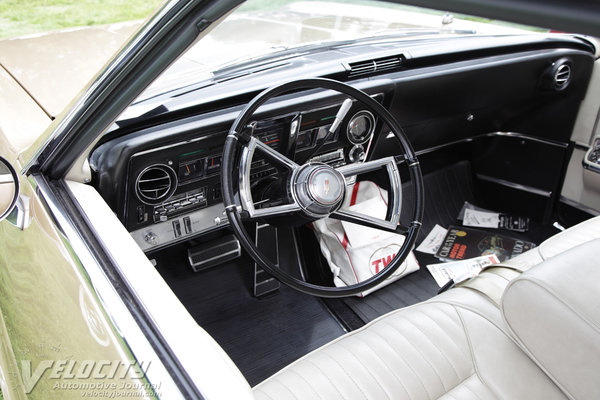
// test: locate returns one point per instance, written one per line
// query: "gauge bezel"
(371, 130)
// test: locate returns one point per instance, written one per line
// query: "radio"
(334, 158)
(181, 204)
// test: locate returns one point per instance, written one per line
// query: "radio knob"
(357, 154)
(151, 238)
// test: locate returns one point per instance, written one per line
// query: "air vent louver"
(155, 184)
(562, 76)
(375, 66)
(558, 75)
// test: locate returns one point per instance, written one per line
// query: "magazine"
(461, 243)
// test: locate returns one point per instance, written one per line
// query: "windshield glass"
(272, 27)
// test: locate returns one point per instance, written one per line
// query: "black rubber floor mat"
(261, 336)
(445, 192)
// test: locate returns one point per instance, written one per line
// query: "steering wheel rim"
(233, 209)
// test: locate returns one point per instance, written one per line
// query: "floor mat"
(446, 191)
(261, 336)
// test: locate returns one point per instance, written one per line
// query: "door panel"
(582, 181)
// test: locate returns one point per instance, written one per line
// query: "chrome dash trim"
(491, 134)
(514, 185)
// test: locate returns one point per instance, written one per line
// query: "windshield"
(270, 27)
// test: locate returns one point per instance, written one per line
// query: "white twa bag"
(355, 252)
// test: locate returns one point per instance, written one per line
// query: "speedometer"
(360, 127)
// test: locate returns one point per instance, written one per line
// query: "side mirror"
(9, 188)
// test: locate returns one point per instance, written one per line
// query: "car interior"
(200, 182)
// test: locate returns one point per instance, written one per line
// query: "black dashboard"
(172, 192)
(161, 174)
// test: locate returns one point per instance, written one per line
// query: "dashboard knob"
(357, 154)
(151, 238)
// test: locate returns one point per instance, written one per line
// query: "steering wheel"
(316, 190)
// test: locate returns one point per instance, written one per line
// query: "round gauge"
(360, 127)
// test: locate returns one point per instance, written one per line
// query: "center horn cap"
(319, 189)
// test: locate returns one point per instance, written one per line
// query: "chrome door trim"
(579, 206)
(111, 302)
(197, 364)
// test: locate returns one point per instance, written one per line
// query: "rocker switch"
(176, 228)
(187, 224)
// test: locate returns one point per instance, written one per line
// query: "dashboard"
(161, 173)
(174, 191)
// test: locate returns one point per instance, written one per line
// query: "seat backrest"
(553, 311)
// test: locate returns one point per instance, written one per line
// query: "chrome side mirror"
(9, 188)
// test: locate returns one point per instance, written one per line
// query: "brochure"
(479, 217)
(433, 241)
(460, 270)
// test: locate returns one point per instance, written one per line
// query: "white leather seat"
(559, 243)
(493, 281)
(461, 345)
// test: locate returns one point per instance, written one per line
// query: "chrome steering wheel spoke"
(273, 155)
(247, 202)
(369, 221)
(395, 198)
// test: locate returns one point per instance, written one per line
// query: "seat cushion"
(554, 312)
(428, 351)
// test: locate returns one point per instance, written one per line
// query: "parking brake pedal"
(267, 243)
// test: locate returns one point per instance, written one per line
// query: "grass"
(24, 17)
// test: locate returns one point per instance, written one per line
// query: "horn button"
(319, 189)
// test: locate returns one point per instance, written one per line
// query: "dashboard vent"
(378, 65)
(558, 75)
(155, 184)
(562, 76)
